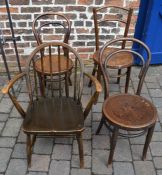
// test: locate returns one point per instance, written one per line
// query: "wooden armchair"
(50, 112)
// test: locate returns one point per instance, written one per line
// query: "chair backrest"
(144, 58)
(104, 16)
(51, 27)
(43, 83)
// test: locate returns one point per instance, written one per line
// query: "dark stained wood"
(49, 113)
(129, 112)
(58, 64)
(118, 62)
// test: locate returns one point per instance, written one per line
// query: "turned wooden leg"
(118, 79)
(147, 142)
(80, 147)
(113, 144)
(33, 140)
(127, 79)
(93, 73)
(100, 125)
(99, 74)
(28, 149)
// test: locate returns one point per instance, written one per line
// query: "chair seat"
(129, 111)
(119, 60)
(65, 64)
(57, 114)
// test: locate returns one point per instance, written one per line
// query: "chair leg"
(100, 125)
(113, 144)
(33, 140)
(118, 79)
(147, 142)
(80, 147)
(70, 83)
(99, 74)
(67, 84)
(93, 73)
(127, 79)
(28, 149)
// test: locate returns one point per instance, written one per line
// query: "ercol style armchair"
(124, 111)
(53, 111)
(106, 19)
(49, 27)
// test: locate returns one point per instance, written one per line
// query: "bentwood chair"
(107, 20)
(124, 111)
(53, 113)
(49, 27)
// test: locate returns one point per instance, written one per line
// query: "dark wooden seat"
(52, 113)
(119, 61)
(130, 112)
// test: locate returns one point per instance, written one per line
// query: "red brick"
(85, 2)
(12, 10)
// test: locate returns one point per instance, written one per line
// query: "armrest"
(6, 90)
(94, 97)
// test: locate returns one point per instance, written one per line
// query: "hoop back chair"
(107, 20)
(53, 113)
(124, 111)
(49, 27)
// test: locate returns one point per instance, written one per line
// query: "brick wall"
(79, 12)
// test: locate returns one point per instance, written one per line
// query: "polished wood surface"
(102, 17)
(54, 112)
(54, 115)
(61, 66)
(120, 60)
(129, 111)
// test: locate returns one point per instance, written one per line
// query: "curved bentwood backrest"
(43, 83)
(144, 60)
(103, 15)
(50, 23)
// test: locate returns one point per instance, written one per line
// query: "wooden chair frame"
(32, 134)
(97, 22)
(147, 124)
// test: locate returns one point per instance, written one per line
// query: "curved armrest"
(94, 97)
(6, 90)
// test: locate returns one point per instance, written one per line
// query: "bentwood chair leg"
(119, 73)
(113, 144)
(147, 142)
(69, 74)
(127, 79)
(28, 149)
(93, 73)
(100, 125)
(80, 147)
(67, 84)
(99, 74)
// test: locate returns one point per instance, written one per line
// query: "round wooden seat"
(130, 112)
(65, 65)
(117, 61)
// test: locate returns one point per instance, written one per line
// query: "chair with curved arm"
(50, 113)
(104, 19)
(124, 111)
